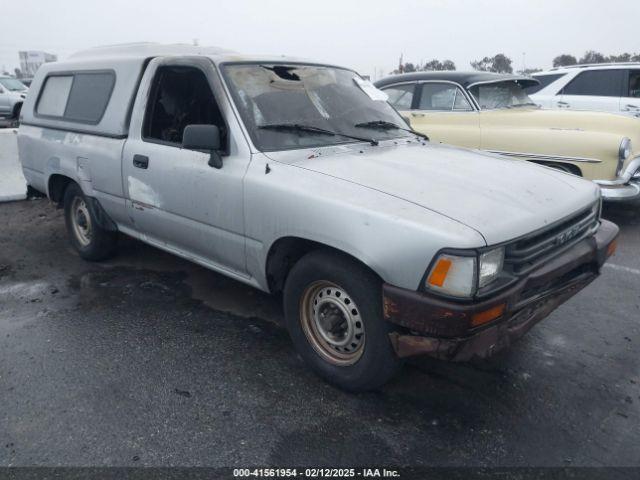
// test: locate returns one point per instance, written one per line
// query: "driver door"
(174, 198)
(443, 110)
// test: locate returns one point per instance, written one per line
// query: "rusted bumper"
(446, 329)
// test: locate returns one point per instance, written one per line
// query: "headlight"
(490, 266)
(624, 152)
(460, 276)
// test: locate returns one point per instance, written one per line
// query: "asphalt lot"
(149, 360)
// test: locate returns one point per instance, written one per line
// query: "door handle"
(141, 161)
(418, 114)
(630, 107)
(563, 104)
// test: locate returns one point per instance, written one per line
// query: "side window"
(54, 96)
(545, 81)
(78, 97)
(634, 84)
(401, 96)
(89, 96)
(442, 97)
(180, 96)
(461, 104)
(601, 83)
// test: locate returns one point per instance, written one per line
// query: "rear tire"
(333, 311)
(87, 237)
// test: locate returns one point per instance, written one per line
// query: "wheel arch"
(57, 184)
(286, 251)
(562, 166)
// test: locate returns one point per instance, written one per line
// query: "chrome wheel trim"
(81, 221)
(332, 323)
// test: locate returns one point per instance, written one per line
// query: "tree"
(564, 60)
(405, 68)
(448, 65)
(623, 57)
(409, 67)
(592, 56)
(499, 63)
(437, 65)
(529, 71)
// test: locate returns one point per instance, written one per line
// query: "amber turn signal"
(486, 316)
(439, 272)
(611, 249)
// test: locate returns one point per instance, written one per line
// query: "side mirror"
(204, 137)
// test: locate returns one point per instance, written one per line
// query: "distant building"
(31, 60)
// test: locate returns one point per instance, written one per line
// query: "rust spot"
(390, 308)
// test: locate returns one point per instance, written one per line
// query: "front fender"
(395, 238)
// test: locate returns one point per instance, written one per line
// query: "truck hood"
(500, 198)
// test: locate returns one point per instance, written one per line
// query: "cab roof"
(142, 51)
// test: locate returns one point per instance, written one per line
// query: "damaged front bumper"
(444, 329)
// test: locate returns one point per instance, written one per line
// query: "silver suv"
(299, 178)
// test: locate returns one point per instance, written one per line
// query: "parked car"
(610, 87)
(493, 112)
(12, 95)
(299, 178)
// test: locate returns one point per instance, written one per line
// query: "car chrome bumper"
(624, 188)
(621, 193)
(443, 328)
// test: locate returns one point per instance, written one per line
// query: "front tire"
(333, 311)
(91, 241)
(16, 111)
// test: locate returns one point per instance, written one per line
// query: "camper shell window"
(80, 97)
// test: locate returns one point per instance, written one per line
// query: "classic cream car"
(492, 112)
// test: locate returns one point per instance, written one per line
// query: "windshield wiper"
(384, 125)
(297, 127)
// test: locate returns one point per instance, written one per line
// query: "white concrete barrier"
(13, 186)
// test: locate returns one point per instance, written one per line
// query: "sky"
(368, 36)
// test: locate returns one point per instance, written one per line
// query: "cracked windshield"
(299, 106)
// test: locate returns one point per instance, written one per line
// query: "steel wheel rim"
(81, 221)
(332, 323)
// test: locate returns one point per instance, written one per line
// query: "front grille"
(533, 250)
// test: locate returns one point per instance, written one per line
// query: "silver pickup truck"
(299, 179)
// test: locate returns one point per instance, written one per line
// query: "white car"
(12, 95)
(603, 87)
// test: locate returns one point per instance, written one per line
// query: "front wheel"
(91, 241)
(333, 311)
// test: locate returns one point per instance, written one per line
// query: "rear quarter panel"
(94, 162)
